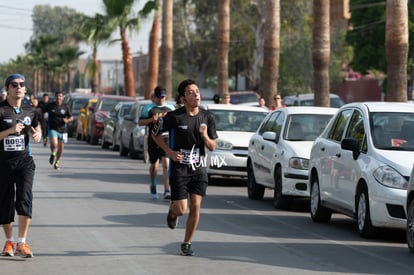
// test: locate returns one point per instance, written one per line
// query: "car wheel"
(279, 200)
(115, 147)
(123, 151)
(319, 213)
(254, 190)
(365, 227)
(410, 226)
(105, 144)
(132, 153)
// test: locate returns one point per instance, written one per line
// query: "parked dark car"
(76, 101)
(100, 113)
(112, 125)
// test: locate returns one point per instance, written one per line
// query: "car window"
(125, 109)
(356, 130)
(305, 127)
(268, 125)
(392, 130)
(339, 125)
(237, 120)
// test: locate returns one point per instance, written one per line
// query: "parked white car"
(279, 152)
(235, 124)
(361, 163)
(410, 212)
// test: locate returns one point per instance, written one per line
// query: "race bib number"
(65, 137)
(190, 157)
(14, 143)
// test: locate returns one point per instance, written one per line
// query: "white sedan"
(279, 152)
(235, 124)
(361, 163)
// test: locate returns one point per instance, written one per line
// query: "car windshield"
(233, 120)
(78, 103)
(107, 104)
(393, 131)
(305, 127)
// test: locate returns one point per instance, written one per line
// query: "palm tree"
(121, 15)
(167, 46)
(95, 31)
(396, 43)
(271, 51)
(67, 56)
(153, 58)
(321, 52)
(223, 44)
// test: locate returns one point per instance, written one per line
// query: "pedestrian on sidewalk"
(59, 115)
(18, 122)
(191, 129)
(150, 114)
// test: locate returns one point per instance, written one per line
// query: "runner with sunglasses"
(18, 122)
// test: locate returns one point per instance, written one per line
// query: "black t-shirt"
(15, 146)
(56, 114)
(185, 137)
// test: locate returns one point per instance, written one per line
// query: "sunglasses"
(16, 84)
(277, 98)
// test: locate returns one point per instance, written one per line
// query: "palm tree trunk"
(271, 50)
(396, 43)
(128, 69)
(321, 52)
(153, 58)
(223, 43)
(167, 47)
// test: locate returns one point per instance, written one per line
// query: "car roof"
(381, 106)
(308, 110)
(307, 96)
(120, 97)
(234, 107)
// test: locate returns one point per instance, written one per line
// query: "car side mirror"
(270, 136)
(351, 144)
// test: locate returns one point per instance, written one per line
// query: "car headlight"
(224, 145)
(299, 163)
(390, 178)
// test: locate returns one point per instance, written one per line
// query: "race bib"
(190, 157)
(65, 137)
(14, 143)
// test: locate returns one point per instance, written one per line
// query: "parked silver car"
(112, 125)
(132, 136)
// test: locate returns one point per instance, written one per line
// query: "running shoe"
(8, 249)
(186, 249)
(172, 223)
(57, 165)
(153, 196)
(52, 159)
(23, 250)
(167, 195)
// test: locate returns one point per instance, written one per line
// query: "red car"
(100, 113)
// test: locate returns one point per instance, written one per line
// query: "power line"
(14, 8)
(2, 26)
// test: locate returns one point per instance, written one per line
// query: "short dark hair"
(184, 84)
(58, 92)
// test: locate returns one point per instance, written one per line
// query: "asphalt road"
(94, 216)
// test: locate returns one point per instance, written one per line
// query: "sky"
(16, 27)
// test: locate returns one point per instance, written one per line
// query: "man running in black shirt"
(191, 129)
(18, 122)
(59, 115)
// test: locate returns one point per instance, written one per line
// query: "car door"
(270, 151)
(257, 145)
(328, 152)
(348, 169)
